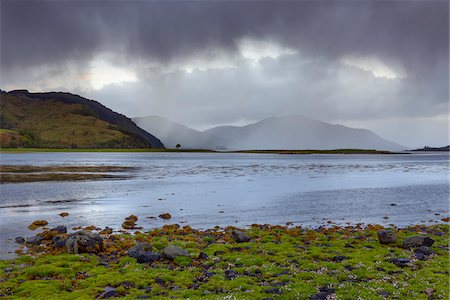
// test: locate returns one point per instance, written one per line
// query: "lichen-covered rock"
(165, 216)
(130, 222)
(36, 224)
(417, 241)
(387, 236)
(240, 236)
(84, 241)
(171, 252)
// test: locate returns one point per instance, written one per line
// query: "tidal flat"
(261, 262)
(30, 173)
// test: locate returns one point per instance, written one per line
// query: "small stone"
(387, 237)
(230, 274)
(417, 241)
(202, 255)
(323, 294)
(401, 262)
(165, 216)
(393, 204)
(108, 293)
(274, 291)
(171, 252)
(147, 288)
(19, 240)
(384, 294)
(34, 240)
(339, 258)
(64, 214)
(240, 236)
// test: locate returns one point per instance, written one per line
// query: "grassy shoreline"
(274, 151)
(278, 262)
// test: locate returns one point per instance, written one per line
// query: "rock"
(34, 240)
(274, 291)
(384, 294)
(230, 274)
(143, 254)
(401, 262)
(19, 240)
(417, 241)
(387, 236)
(60, 229)
(148, 257)
(423, 252)
(171, 252)
(138, 249)
(339, 258)
(240, 236)
(36, 224)
(108, 293)
(202, 255)
(130, 222)
(165, 216)
(59, 241)
(64, 214)
(84, 241)
(323, 294)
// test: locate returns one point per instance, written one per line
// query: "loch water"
(203, 190)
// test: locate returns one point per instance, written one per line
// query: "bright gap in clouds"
(254, 50)
(103, 73)
(377, 67)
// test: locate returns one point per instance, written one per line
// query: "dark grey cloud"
(49, 39)
(411, 33)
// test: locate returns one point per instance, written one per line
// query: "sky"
(379, 65)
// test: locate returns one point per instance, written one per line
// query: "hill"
(173, 133)
(64, 120)
(298, 132)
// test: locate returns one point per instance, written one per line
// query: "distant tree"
(178, 146)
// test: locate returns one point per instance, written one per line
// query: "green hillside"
(62, 120)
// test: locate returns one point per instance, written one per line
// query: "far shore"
(269, 151)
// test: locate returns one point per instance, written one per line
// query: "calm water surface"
(208, 189)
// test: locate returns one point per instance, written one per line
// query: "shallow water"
(207, 189)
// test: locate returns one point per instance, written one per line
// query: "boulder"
(171, 252)
(387, 236)
(417, 241)
(143, 253)
(84, 241)
(59, 241)
(240, 236)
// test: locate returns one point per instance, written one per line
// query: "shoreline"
(157, 150)
(262, 261)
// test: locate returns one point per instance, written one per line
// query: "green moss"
(279, 263)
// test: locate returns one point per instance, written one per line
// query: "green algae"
(278, 262)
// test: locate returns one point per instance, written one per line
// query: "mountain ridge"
(286, 132)
(65, 120)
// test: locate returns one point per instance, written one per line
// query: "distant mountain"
(172, 133)
(298, 132)
(289, 132)
(63, 120)
(426, 148)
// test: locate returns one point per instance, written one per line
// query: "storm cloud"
(205, 63)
